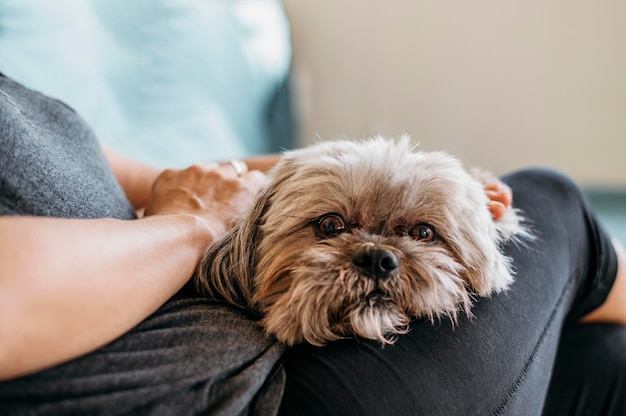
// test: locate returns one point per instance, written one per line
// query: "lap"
(500, 361)
(189, 357)
(589, 375)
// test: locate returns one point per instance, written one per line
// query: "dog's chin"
(326, 300)
(376, 316)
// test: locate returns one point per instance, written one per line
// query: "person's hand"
(217, 194)
(500, 199)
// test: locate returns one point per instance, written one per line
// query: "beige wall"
(502, 84)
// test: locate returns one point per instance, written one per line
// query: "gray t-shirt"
(51, 163)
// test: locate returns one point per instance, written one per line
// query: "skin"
(500, 198)
(613, 310)
(135, 266)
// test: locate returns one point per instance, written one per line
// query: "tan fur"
(308, 289)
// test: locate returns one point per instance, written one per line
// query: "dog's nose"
(376, 262)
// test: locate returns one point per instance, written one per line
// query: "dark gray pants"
(191, 357)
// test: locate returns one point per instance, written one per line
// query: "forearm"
(135, 178)
(62, 298)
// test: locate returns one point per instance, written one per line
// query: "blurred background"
(502, 85)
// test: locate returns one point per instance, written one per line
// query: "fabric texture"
(51, 162)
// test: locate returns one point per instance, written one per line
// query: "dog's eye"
(423, 232)
(330, 225)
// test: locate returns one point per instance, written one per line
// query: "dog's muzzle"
(375, 262)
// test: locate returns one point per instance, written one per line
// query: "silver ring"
(239, 166)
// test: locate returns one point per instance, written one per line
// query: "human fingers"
(497, 209)
(238, 166)
(184, 190)
(256, 180)
(500, 199)
(208, 186)
(499, 192)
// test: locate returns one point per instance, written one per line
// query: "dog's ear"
(512, 225)
(219, 275)
(226, 270)
(477, 242)
(489, 271)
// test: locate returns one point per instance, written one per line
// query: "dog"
(358, 238)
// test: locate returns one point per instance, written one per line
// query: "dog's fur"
(418, 241)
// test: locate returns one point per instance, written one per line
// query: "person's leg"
(191, 357)
(497, 363)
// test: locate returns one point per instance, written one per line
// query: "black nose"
(376, 262)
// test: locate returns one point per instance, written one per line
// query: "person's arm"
(70, 286)
(136, 178)
(613, 310)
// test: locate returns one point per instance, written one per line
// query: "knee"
(552, 204)
(544, 184)
(543, 178)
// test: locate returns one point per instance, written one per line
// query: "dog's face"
(358, 238)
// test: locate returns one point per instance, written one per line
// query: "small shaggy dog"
(356, 238)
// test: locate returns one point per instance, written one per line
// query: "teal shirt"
(170, 83)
